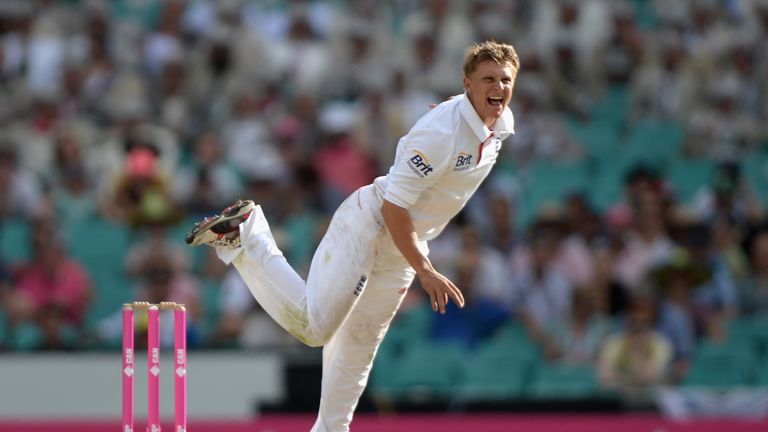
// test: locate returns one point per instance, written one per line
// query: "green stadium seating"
(26, 337)
(689, 175)
(562, 381)
(100, 246)
(409, 327)
(512, 339)
(645, 14)
(3, 328)
(612, 108)
(425, 370)
(493, 373)
(548, 182)
(755, 172)
(760, 335)
(209, 298)
(14, 240)
(761, 374)
(722, 365)
(599, 138)
(653, 142)
(606, 182)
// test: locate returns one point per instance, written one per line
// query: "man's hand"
(440, 288)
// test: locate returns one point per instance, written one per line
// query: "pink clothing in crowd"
(69, 288)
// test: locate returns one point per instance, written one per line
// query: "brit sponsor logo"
(420, 164)
(463, 161)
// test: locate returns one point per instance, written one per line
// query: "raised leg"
(341, 266)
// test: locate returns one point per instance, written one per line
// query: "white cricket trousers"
(355, 285)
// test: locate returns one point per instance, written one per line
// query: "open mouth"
(495, 101)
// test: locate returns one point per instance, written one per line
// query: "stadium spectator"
(51, 290)
(161, 280)
(611, 296)
(481, 272)
(541, 295)
(20, 189)
(636, 359)
(576, 340)
(678, 317)
(647, 242)
(208, 181)
(754, 290)
(72, 194)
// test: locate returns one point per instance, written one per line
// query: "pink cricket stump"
(153, 375)
(180, 375)
(127, 369)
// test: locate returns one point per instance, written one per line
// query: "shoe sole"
(232, 212)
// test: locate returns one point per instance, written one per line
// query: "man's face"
(489, 89)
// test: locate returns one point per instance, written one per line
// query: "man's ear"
(466, 84)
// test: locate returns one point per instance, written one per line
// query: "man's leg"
(340, 268)
(348, 357)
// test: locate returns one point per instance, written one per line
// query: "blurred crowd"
(148, 114)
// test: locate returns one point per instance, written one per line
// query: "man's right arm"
(400, 226)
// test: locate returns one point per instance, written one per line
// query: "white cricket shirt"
(441, 162)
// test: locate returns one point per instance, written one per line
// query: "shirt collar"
(504, 126)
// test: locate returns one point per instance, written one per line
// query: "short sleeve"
(424, 157)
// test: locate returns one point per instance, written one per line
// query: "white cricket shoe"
(221, 229)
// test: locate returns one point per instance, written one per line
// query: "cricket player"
(377, 239)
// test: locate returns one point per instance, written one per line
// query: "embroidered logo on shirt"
(420, 164)
(463, 161)
(360, 285)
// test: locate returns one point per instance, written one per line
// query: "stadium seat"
(599, 139)
(606, 181)
(548, 182)
(760, 335)
(755, 172)
(652, 142)
(427, 370)
(761, 374)
(494, 372)
(645, 14)
(512, 340)
(689, 175)
(14, 240)
(722, 365)
(3, 329)
(26, 337)
(100, 246)
(209, 297)
(562, 381)
(409, 327)
(612, 107)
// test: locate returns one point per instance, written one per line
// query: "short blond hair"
(490, 51)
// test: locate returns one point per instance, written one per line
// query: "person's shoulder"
(442, 119)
